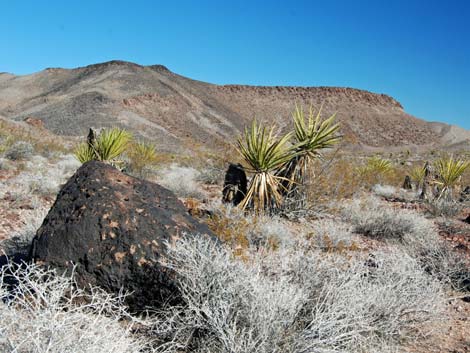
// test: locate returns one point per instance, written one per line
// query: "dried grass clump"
(374, 219)
(335, 179)
(413, 234)
(294, 300)
(444, 208)
(371, 306)
(42, 312)
(44, 177)
(332, 235)
(181, 180)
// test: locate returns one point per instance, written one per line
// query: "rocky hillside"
(175, 111)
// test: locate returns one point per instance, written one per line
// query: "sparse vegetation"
(350, 273)
(294, 301)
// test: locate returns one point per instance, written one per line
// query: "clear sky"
(415, 51)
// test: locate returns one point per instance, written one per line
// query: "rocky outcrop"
(114, 229)
(155, 103)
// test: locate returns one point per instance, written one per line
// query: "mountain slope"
(171, 109)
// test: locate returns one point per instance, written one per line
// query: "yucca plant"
(312, 134)
(141, 154)
(417, 175)
(110, 144)
(265, 154)
(449, 172)
(375, 165)
(84, 152)
(107, 146)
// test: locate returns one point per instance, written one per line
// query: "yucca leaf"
(84, 152)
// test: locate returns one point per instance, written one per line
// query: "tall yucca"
(265, 154)
(449, 171)
(312, 135)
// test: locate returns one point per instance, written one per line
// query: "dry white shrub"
(295, 300)
(386, 191)
(229, 306)
(371, 306)
(6, 164)
(373, 218)
(444, 208)
(43, 177)
(328, 233)
(181, 180)
(45, 313)
(444, 263)
(19, 150)
(269, 229)
(414, 234)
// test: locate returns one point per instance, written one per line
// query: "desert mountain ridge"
(176, 111)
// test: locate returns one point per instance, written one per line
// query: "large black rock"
(113, 228)
(235, 184)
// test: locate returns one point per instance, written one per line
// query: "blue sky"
(415, 51)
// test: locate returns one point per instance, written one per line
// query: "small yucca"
(376, 165)
(142, 154)
(449, 172)
(110, 144)
(107, 147)
(417, 174)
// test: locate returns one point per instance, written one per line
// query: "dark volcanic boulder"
(113, 228)
(235, 184)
